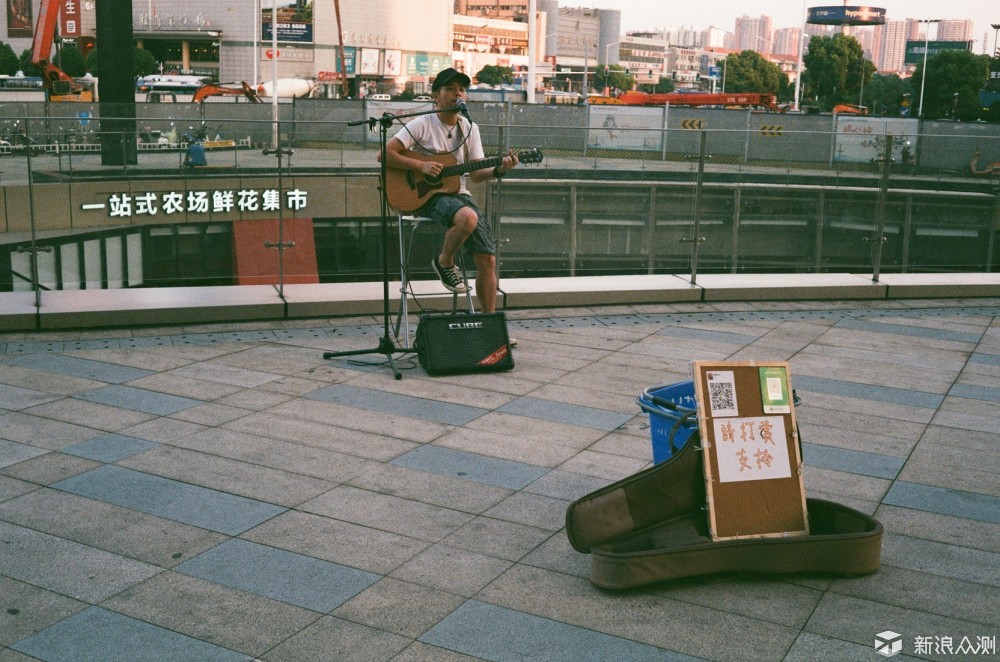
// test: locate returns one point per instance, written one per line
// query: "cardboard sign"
(753, 467)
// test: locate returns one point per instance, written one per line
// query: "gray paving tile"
(858, 462)
(388, 513)
(181, 502)
(403, 405)
(11, 488)
(149, 402)
(907, 330)
(104, 526)
(947, 502)
(496, 633)
(869, 392)
(297, 579)
(972, 565)
(338, 541)
(431, 488)
(99, 634)
(332, 638)
(399, 607)
(28, 609)
(66, 567)
(15, 398)
(708, 336)
(469, 466)
(75, 367)
(241, 621)
(559, 412)
(42, 432)
(237, 477)
(986, 393)
(858, 621)
(109, 448)
(12, 452)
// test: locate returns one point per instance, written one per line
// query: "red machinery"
(209, 90)
(58, 85)
(740, 99)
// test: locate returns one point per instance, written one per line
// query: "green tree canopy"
(835, 71)
(25, 64)
(750, 72)
(143, 62)
(9, 64)
(616, 79)
(954, 79)
(494, 75)
(884, 95)
(70, 60)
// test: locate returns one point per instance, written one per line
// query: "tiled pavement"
(220, 493)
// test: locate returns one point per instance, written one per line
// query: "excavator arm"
(210, 90)
(58, 85)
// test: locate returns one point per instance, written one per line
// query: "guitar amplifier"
(463, 343)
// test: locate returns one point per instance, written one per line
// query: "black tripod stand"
(386, 345)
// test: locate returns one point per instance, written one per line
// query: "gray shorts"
(442, 208)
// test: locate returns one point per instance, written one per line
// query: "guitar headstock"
(532, 155)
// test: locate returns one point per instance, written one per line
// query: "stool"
(406, 239)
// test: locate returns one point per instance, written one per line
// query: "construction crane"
(58, 85)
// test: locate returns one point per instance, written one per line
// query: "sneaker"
(450, 277)
(512, 341)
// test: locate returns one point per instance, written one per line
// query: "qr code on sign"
(722, 393)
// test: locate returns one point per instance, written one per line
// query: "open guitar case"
(653, 526)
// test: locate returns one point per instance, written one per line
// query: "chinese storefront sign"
(127, 205)
(752, 462)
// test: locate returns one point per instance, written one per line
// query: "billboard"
(915, 49)
(844, 15)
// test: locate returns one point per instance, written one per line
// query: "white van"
(380, 97)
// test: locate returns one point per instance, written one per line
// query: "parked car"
(423, 97)
(380, 97)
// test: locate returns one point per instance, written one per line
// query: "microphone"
(462, 108)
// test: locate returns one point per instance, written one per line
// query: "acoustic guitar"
(408, 190)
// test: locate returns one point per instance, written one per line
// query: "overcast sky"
(650, 14)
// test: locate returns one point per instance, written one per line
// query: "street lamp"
(996, 28)
(607, 57)
(923, 75)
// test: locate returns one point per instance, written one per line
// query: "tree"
(750, 72)
(494, 75)
(885, 95)
(834, 70)
(954, 79)
(143, 62)
(9, 63)
(26, 65)
(70, 60)
(616, 78)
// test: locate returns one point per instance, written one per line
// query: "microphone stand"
(386, 345)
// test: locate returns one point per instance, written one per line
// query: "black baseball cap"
(447, 76)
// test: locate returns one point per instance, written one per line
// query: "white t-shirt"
(427, 134)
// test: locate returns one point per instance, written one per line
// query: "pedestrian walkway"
(222, 492)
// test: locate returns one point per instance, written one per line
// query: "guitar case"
(653, 526)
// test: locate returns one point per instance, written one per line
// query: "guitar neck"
(479, 164)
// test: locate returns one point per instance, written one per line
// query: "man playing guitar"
(446, 132)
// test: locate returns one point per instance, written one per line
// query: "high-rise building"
(891, 38)
(955, 30)
(754, 34)
(787, 40)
